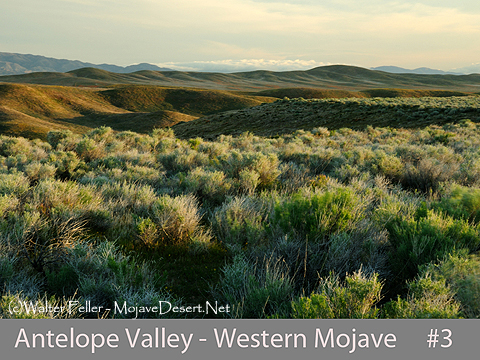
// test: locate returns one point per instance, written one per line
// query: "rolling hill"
(33, 110)
(333, 77)
(135, 101)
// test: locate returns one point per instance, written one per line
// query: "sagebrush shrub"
(355, 298)
(426, 299)
(255, 290)
(241, 222)
(462, 274)
(428, 237)
(177, 218)
(317, 215)
(461, 203)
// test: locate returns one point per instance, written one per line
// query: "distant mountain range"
(15, 64)
(421, 70)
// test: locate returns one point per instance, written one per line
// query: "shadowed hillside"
(312, 93)
(287, 116)
(190, 101)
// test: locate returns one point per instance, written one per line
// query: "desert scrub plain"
(377, 222)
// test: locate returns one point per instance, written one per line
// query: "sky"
(238, 35)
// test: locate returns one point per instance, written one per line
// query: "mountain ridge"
(420, 70)
(16, 64)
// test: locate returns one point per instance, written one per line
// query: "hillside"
(313, 93)
(33, 110)
(333, 77)
(287, 116)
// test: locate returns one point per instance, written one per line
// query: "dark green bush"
(356, 298)
(62, 281)
(316, 216)
(428, 237)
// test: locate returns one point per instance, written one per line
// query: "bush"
(15, 183)
(460, 203)
(54, 137)
(38, 171)
(44, 244)
(177, 219)
(210, 187)
(88, 149)
(315, 216)
(354, 299)
(106, 275)
(241, 223)
(427, 299)
(462, 274)
(428, 237)
(427, 174)
(255, 290)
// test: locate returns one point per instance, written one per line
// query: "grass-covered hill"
(371, 223)
(333, 77)
(286, 116)
(33, 110)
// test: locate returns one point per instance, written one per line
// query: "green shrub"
(241, 222)
(147, 231)
(210, 187)
(13, 146)
(44, 243)
(462, 274)
(7, 268)
(255, 290)
(461, 203)
(88, 149)
(354, 299)
(15, 183)
(428, 237)
(178, 219)
(66, 163)
(106, 275)
(249, 180)
(54, 137)
(62, 281)
(427, 174)
(8, 203)
(315, 216)
(426, 299)
(38, 171)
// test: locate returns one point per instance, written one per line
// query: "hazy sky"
(246, 34)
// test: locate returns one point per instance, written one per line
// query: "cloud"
(231, 65)
(248, 16)
(434, 33)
